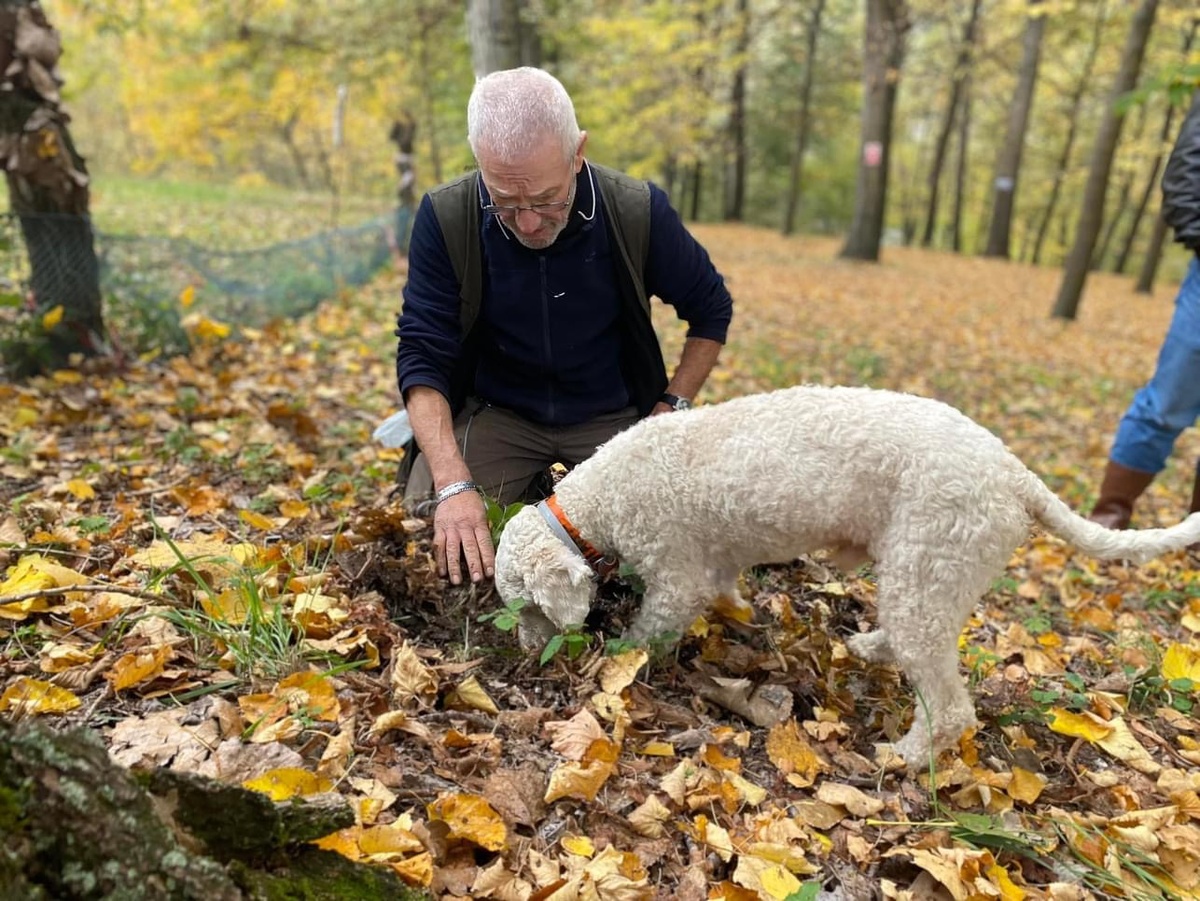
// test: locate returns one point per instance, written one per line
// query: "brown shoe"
(1195, 505)
(1120, 488)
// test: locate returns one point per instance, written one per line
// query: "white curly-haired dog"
(689, 498)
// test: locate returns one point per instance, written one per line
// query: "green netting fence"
(245, 287)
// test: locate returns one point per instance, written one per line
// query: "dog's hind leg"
(922, 610)
(872, 647)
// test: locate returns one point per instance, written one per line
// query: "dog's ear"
(560, 585)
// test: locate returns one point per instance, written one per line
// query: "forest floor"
(201, 558)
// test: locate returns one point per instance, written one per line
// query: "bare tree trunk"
(48, 184)
(960, 175)
(697, 186)
(500, 37)
(1164, 138)
(670, 175)
(429, 19)
(1122, 204)
(403, 135)
(288, 133)
(1066, 305)
(887, 24)
(796, 169)
(962, 68)
(1064, 159)
(1008, 162)
(735, 198)
(1114, 220)
(1158, 237)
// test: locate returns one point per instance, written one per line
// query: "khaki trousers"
(506, 453)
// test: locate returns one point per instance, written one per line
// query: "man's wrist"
(454, 488)
(675, 401)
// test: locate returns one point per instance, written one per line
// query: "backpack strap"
(627, 206)
(456, 205)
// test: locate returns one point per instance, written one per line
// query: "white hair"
(510, 109)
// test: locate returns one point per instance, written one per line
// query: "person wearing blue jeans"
(1170, 401)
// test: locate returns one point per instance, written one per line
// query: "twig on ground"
(87, 589)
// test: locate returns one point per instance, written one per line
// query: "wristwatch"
(675, 402)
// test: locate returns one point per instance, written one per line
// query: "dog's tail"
(1098, 541)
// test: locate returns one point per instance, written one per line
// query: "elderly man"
(525, 335)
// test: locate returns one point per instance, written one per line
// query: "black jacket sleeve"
(1181, 181)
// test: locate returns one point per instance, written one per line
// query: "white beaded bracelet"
(455, 488)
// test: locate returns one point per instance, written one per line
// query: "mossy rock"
(78, 826)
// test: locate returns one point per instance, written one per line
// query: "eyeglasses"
(542, 209)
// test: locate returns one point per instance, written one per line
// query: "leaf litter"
(203, 559)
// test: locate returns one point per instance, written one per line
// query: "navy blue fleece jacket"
(549, 343)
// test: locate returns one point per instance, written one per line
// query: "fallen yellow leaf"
(619, 671)
(579, 845)
(32, 696)
(415, 870)
(1025, 785)
(255, 520)
(140, 666)
(1078, 725)
(389, 839)
(60, 657)
(1009, 890)
(81, 489)
(312, 693)
(578, 780)
(1182, 661)
(470, 817)
(1121, 744)
(657, 749)
(288, 782)
(790, 751)
(770, 880)
(34, 572)
(470, 695)
(294, 509)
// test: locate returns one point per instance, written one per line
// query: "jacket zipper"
(546, 339)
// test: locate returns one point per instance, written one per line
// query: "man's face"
(539, 178)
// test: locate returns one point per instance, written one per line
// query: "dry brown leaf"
(413, 683)
(572, 738)
(790, 751)
(649, 818)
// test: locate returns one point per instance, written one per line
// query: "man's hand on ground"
(460, 530)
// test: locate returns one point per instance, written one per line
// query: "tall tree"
(812, 32)
(48, 184)
(735, 194)
(501, 37)
(960, 175)
(1074, 103)
(886, 27)
(958, 77)
(1122, 204)
(1008, 161)
(1091, 215)
(1164, 139)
